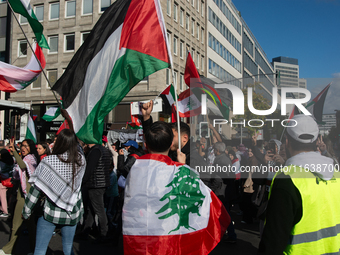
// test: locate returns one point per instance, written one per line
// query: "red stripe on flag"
(191, 72)
(173, 114)
(5, 85)
(40, 55)
(63, 126)
(142, 31)
(199, 242)
(161, 158)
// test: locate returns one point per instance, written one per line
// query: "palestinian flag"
(127, 44)
(14, 78)
(295, 111)
(30, 132)
(24, 8)
(171, 211)
(51, 113)
(213, 96)
(64, 125)
(168, 95)
(315, 107)
(191, 72)
(198, 86)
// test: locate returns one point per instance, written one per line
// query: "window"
(22, 48)
(167, 77)
(193, 55)
(175, 12)
(70, 10)
(84, 35)
(37, 83)
(69, 42)
(22, 20)
(202, 63)
(87, 7)
(181, 45)
(52, 76)
(181, 17)
(175, 45)
(193, 27)
(187, 20)
(202, 35)
(3, 23)
(39, 12)
(54, 11)
(104, 4)
(168, 7)
(198, 60)
(193, 3)
(198, 31)
(169, 39)
(202, 9)
(53, 42)
(181, 82)
(198, 5)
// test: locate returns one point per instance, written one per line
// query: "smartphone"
(272, 147)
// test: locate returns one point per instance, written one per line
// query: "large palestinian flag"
(127, 44)
(14, 78)
(171, 211)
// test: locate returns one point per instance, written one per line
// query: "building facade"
(67, 25)
(329, 120)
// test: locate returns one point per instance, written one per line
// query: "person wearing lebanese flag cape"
(167, 208)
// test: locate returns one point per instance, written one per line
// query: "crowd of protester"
(93, 178)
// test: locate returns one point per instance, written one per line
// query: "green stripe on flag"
(30, 132)
(128, 70)
(19, 7)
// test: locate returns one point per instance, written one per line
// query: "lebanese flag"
(315, 107)
(127, 44)
(188, 104)
(171, 211)
(14, 78)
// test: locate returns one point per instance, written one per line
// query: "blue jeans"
(44, 234)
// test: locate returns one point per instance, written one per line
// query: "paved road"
(248, 239)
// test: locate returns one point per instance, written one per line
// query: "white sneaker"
(3, 253)
(3, 215)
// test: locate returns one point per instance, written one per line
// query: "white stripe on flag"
(95, 82)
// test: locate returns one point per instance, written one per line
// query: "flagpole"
(176, 101)
(9, 5)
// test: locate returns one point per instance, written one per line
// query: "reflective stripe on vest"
(315, 236)
(318, 231)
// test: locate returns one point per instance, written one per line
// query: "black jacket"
(125, 166)
(97, 173)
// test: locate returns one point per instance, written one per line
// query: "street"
(247, 243)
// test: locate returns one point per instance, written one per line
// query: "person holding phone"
(26, 165)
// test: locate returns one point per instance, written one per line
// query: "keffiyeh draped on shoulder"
(54, 178)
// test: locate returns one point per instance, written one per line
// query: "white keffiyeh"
(54, 178)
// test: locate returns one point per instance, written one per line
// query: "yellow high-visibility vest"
(318, 231)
